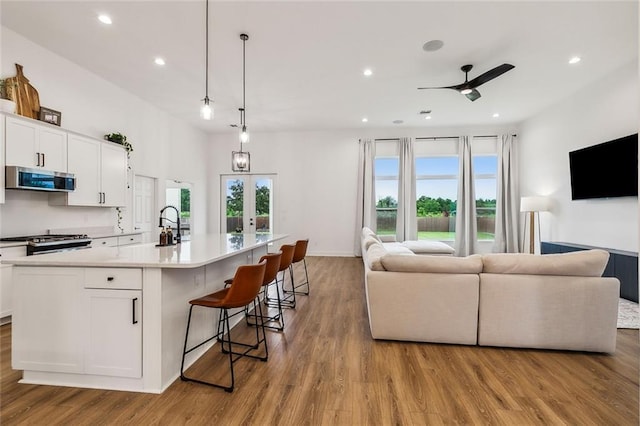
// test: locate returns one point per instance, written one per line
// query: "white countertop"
(200, 250)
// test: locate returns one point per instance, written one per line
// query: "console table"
(622, 265)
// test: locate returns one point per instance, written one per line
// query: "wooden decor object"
(24, 94)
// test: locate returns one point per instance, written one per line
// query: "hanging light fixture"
(206, 110)
(241, 160)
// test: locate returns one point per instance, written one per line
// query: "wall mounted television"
(606, 170)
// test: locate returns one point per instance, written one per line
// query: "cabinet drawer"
(104, 242)
(114, 278)
(129, 239)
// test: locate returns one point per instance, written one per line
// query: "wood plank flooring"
(326, 369)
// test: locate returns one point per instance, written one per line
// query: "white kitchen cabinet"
(2, 158)
(83, 320)
(104, 242)
(34, 145)
(125, 240)
(6, 284)
(49, 331)
(114, 340)
(100, 169)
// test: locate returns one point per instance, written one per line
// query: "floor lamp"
(533, 205)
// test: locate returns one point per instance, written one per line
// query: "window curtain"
(466, 226)
(406, 222)
(366, 196)
(507, 200)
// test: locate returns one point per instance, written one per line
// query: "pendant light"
(241, 160)
(206, 110)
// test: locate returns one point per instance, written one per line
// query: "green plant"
(121, 139)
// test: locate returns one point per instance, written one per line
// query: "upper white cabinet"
(2, 158)
(34, 145)
(100, 169)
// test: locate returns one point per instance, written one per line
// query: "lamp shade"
(534, 204)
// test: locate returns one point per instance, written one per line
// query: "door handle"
(38, 159)
(43, 159)
(251, 221)
(133, 305)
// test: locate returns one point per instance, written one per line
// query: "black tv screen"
(605, 170)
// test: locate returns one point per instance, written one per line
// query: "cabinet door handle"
(38, 159)
(109, 278)
(133, 305)
(43, 159)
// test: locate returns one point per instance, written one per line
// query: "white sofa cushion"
(429, 247)
(586, 263)
(368, 241)
(373, 255)
(435, 264)
(397, 248)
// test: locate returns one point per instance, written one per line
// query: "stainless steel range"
(42, 244)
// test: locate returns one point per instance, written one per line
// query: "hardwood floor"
(326, 369)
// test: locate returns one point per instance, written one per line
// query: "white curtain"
(366, 196)
(406, 222)
(466, 226)
(507, 208)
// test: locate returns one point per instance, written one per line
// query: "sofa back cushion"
(586, 263)
(434, 264)
(367, 232)
(373, 255)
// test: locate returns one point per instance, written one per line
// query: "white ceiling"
(305, 59)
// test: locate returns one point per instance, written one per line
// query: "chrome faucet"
(177, 222)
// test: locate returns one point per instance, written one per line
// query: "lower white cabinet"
(64, 325)
(114, 342)
(49, 319)
(6, 283)
(118, 241)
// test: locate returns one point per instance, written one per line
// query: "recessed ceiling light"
(105, 19)
(364, 120)
(427, 117)
(159, 61)
(367, 72)
(433, 45)
(574, 60)
(496, 115)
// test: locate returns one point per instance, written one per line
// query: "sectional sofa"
(557, 301)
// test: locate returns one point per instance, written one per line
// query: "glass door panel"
(247, 203)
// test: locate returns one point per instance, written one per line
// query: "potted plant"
(6, 104)
(121, 139)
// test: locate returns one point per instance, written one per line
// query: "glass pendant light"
(241, 160)
(206, 110)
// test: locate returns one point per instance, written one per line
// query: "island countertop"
(198, 251)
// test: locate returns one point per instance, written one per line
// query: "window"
(386, 172)
(485, 168)
(436, 195)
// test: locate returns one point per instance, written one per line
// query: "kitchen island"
(114, 317)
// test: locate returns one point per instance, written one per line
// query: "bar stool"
(270, 275)
(281, 301)
(299, 255)
(243, 290)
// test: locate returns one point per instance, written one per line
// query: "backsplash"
(29, 213)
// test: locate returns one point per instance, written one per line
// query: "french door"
(247, 203)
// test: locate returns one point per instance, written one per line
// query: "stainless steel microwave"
(39, 180)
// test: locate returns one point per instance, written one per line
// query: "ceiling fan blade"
(456, 87)
(473, 95)
(489, 75)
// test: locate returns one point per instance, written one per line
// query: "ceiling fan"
(468, 88)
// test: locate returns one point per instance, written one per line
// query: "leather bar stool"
(280, 301)
(244, 290)
(299, 255)
(270, 275)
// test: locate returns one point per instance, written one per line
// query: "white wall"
(605, 110)
(317, 175)
(164, 147)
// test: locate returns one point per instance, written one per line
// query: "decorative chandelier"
(241, 160)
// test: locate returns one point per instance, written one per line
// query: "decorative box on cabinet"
(31, 144)
(622, 265)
